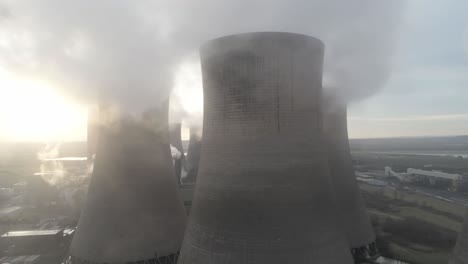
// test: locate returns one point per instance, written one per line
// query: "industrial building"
(10, 213)
(133, 211)
(450, 181)
(33, 259)
(352, 211)
(35, 246)
(31, 241)
(263, 192)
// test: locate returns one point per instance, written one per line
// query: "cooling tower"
(133, 211)
(175, 138)
(263, 193)
(352, 211)
(189, 174)
(460, 254)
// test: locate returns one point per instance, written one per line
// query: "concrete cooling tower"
(189, 174)
(263, 195)
(352, 211)
(133, 212)
(460, 254)
(175, 139)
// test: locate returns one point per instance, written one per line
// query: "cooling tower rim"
(208, 45)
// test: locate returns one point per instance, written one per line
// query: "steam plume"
(127, 51)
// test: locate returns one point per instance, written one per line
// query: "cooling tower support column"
(133, 211)
(263, 194)
(352, 211)
(460, 254)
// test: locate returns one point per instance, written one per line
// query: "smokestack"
(189, 175)
(133, 211)
(92, 132)
(352, 211)
(175, 138)
(263, 193)
(460, 254)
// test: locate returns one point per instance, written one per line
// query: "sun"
(32, 111)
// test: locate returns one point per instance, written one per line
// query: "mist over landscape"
(212, 131)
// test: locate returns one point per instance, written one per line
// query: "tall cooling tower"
(189, 174)
(175, 138)
(460, 254)
(133, 211)
(263, 193)
(352, 211)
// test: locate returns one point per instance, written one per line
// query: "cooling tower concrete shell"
(263, 194)
(133, 211)
(190, 172)
(460, 254)
(352, 211)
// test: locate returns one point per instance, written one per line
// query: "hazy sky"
(426, 94)
(428, 91)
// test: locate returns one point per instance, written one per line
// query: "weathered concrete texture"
(133, 210)
(460, 254)
(175, 138)
(352, 211)
(190, 172)
(263, 194)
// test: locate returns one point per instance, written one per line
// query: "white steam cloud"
(127, 52)
(51, 171)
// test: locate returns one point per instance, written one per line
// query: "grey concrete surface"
(352, 211)
(133, 211)
(263, 193)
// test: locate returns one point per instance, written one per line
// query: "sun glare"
(32, 111)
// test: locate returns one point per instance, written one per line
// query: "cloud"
(418, 118)
(126, 52)
(433, 73)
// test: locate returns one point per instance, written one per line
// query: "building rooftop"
(32, 233)
(9, 210)
(21, 259)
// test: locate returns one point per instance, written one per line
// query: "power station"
(263, 192)
(352, 211)
(133, 211)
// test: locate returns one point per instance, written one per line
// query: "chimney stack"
(133, 211)
(190, 171)
(352, 211)
(175, 138)
(263, 192)
(92, 132)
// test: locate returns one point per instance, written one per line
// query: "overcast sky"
(428, 91)
(426, 95)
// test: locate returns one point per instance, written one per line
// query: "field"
(413, 227)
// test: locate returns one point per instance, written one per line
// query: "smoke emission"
(128, 52)
(51, 171)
